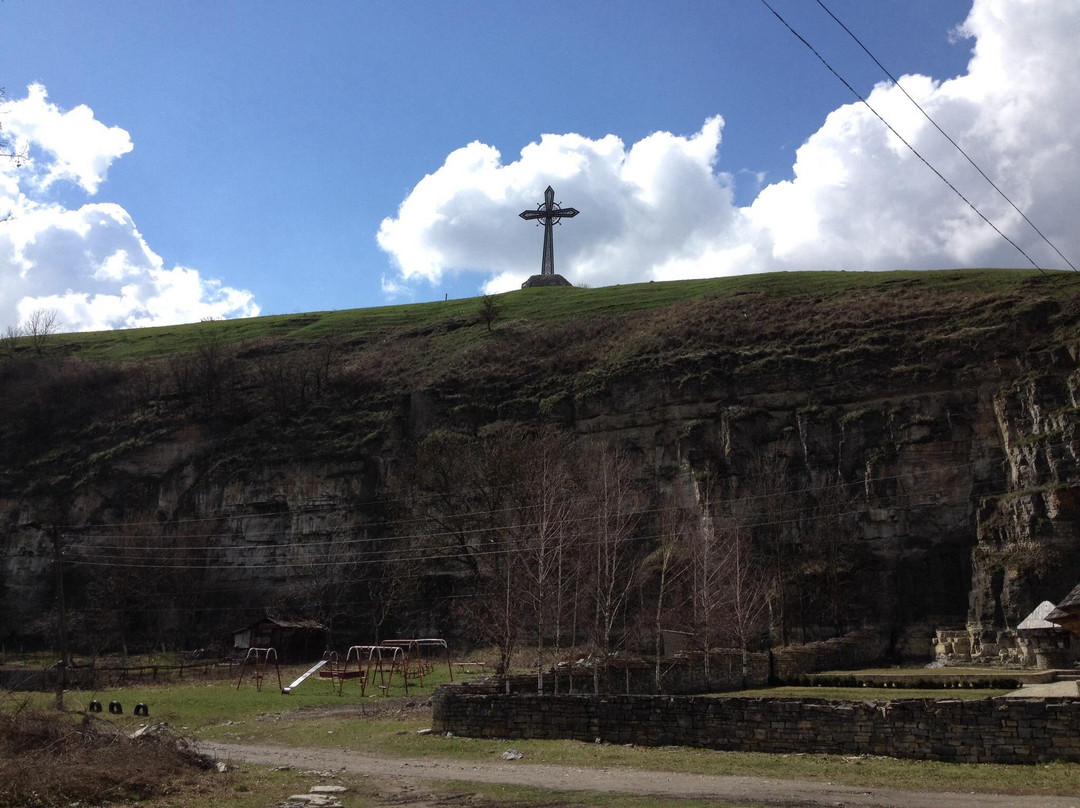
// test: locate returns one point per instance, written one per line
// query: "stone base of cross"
(545, 280)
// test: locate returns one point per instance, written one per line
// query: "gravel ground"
(405, 776)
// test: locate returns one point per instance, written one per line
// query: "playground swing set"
(371, 665)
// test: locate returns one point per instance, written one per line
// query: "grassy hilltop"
(857, 299)
(936, 379)
(329, 383)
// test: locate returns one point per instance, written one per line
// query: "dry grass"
(51, 758)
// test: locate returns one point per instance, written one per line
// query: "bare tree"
(39, 326)
(212, 363)
(322, 357)
(9, 339)
(462, 490)
(614, 501)
(391, 572)
(489, 310)
(706, 572)
(675, 523)
(731, 583)
(182, 372)
(744, 593)
(284, 379)
(543, 518)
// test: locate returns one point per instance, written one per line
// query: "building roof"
(313, 625)
(1037, 618)
(1071, 602)
(1067, 613)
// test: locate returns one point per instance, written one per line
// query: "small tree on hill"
(8, 340)
(489, 310)
(39, 326)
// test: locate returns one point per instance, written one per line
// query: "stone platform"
(545, 280)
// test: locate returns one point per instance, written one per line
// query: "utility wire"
(945, 134)
(109, 529)
(890, 127)
(333, 536)
(99, 556)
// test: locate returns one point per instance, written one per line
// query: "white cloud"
(89, 263)
(76, 147)
(635, 205)
(859, 198)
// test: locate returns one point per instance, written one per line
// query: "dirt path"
(626, 781)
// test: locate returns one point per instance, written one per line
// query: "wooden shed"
(294, 640)
(1043, 643)
(1067, 613)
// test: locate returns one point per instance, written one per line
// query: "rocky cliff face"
(950, 423)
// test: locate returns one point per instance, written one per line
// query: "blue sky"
(271, 142)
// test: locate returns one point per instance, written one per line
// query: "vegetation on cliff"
(756, 364)
(331, 381)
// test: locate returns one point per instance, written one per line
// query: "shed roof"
(313, 625)
(1071, 602)
(1037, 618)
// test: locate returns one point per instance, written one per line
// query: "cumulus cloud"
(89, 263)
(654, 203)
(859, 198)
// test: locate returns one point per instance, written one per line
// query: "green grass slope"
(556, 304)
(342, 383)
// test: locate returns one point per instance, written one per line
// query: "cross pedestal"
(548, 214)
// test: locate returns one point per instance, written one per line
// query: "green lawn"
(315, 715)
(538, 305)
(203, 707)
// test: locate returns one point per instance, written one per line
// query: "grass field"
(547, 305)
(316, 716)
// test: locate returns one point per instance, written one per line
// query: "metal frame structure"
(261, 662)
(375, 665)
(332, 670)
(548, 214)
(415, 664)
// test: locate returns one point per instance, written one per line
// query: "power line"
(460, 494)
(934, 123)
(788, 516)
(333, 536)
(900, 137)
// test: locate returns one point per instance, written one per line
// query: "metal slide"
(300, 680)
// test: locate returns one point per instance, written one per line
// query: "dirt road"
(626, 781)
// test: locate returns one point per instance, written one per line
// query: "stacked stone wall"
(856, 650)
(980, 731)
(728, 670)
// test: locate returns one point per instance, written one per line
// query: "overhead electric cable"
(332, 536)
(99, 556)
(900, 137)
(945, 134)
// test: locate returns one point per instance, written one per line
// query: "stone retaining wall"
(728, 670)
(980, 731)
(855, 650)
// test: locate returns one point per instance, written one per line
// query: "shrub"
(51, 759)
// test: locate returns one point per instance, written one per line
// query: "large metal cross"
(549, 213)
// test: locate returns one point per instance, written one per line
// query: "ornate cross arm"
(548, 214)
